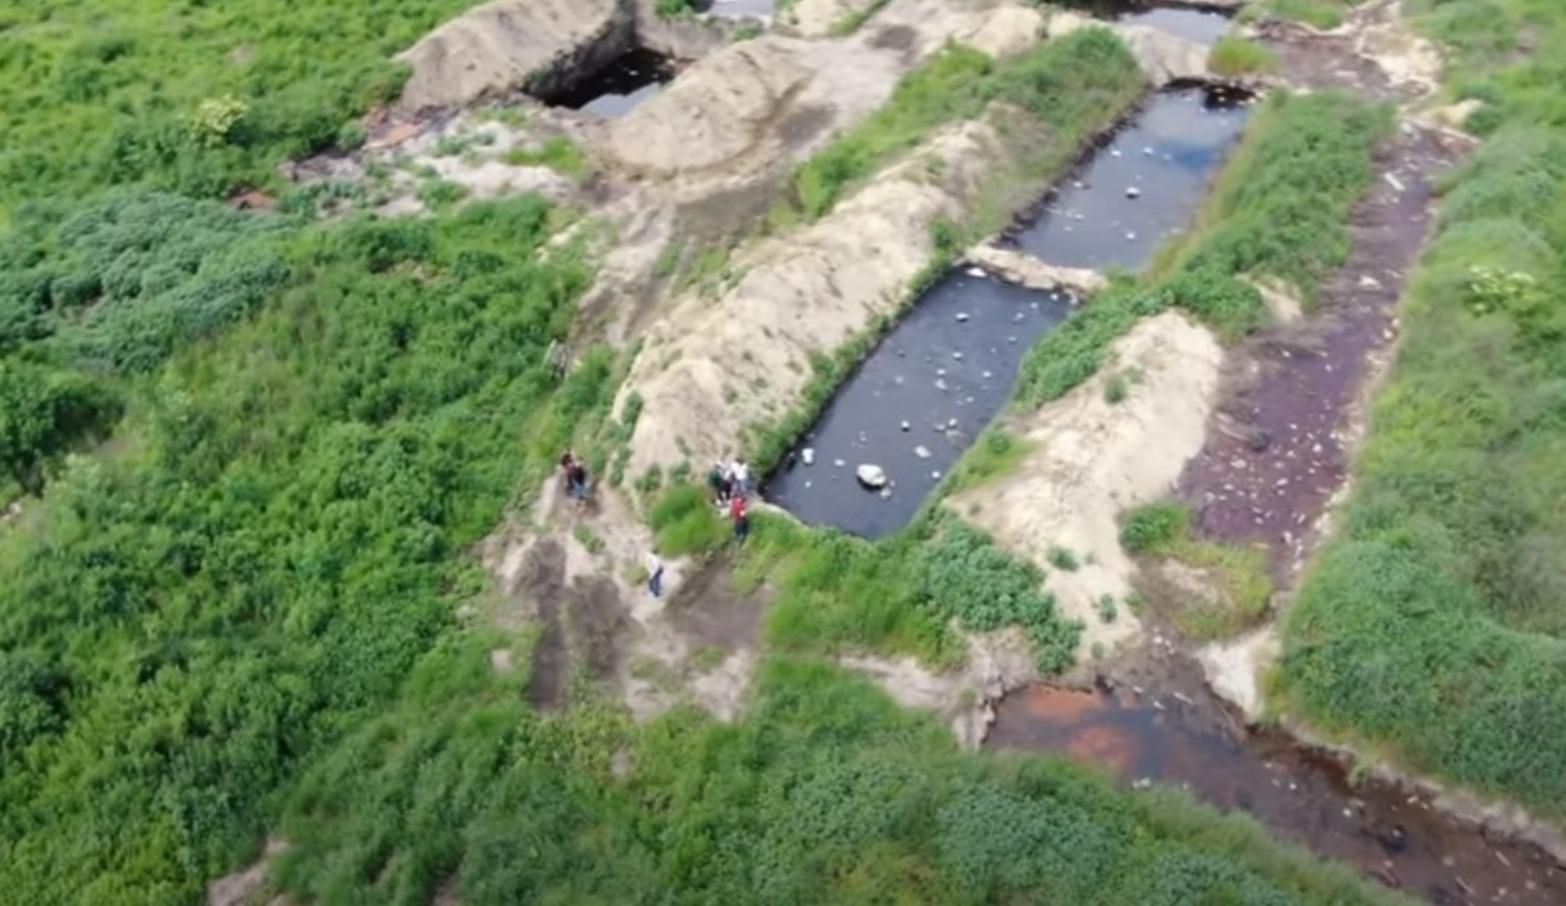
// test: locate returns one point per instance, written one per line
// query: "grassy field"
(1435, 626)
(196, 97)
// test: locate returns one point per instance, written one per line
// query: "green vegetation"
(836, 592)
(1063, 559)
(559, 154)
(192, 621)
(1280, 210)
(1321, 14)
(44, 412)
(1234, 55)
(1242, 588)
(850, 22)
(686, 522)
(678, 9)
(997, 453)
(825, 792)
(1433, 626)
(1074, 86)
(199, 98)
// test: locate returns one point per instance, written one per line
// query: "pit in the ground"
(627, 81)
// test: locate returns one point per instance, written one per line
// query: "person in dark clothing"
(720, 484)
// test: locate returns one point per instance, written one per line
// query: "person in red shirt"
(741, 517)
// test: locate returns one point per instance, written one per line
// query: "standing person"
(718, 482)
(654, 574)
(741, 477)
(576, 480)
(741, 516)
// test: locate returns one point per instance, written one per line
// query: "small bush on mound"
(1233, 56)
(1153, 528)
(686, 522)
(559, 154)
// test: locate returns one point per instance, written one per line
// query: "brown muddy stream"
(1391, 834)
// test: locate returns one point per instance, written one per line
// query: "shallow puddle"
(743, 9)
(1199, 25)
(1133, 194)
(1386, 832)
(916, 403)
(619, 87)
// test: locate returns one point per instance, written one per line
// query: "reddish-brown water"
(1298, 794)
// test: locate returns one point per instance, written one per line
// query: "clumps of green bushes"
(1235, 56)
(1242, 588)
(685, 522)
(43, 412)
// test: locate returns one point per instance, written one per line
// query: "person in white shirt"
(741, 473)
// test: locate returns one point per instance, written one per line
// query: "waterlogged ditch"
(916, 403)
(943, 372)
(1187, 740)
(626, 82)
(1198, 22)
(1143, 186)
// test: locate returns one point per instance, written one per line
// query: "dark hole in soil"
(945, 369)
(1134, 193)
(617, 88)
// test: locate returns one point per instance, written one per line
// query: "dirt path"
(1289, 418)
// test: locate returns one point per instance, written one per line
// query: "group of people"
(730, 486)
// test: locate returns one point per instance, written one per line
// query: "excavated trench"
(1186, 739)
(616, 89)
(943, 372)
(1198, 22)
(1143, 186)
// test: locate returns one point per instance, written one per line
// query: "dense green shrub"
(42, 413)
(1433, 627)
(199, 98)
(686, 522)
(1149, 528)
(283, 548)
(117, 284)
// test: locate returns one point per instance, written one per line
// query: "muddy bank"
(1185, 739)
(1281, 443)
(1143, 186)
(916, 403)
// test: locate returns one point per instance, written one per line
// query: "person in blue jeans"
(654, 574)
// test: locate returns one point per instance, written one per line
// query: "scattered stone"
(1130, 237)
(886, 493)
(940, 384)
(871, 476)
(922, 451)
(951, 423)
(1114, 152)
(1148, 150)
(987, 376)
(808, 456)
(962, 317)
(839, 463)
(936, 475)
(940, 372)
(957, 356)
(977, 272)
(906, 426)
(1133, 192)
(1258, 440)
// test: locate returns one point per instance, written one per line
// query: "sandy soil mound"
(1093, 459)
(713, 367)
(509, 44)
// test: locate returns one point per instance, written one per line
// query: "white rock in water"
(871, 476)
(951, 423)
(809, 485)
(940, 372)
(940, 383)
(1133, 192)
(1011, 339)
(839, 463)
(1147, 150)
(962, 316)
(988, 375)
(922, 451)
(1130, 237)
(808, 456)
(977, 272)
(886, 493)
(936, 475)
(906, 426)
(1114, 152)
(957, 356)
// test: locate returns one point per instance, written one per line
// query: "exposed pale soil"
(1092, 460)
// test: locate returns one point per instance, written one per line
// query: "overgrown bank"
(825, 793)
(1434, 625)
